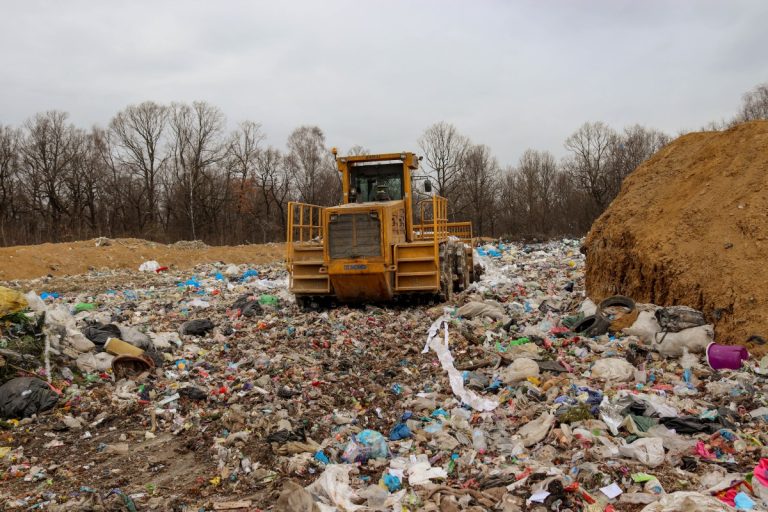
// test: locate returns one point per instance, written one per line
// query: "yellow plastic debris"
(11, 301)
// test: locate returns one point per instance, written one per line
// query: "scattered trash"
(526, 395)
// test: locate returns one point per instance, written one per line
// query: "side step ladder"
(417, 270)
(307, 276)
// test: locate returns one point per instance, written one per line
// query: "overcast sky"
(509, 74)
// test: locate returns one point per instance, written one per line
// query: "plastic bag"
(100, 333)
(679, 318)
(332, 487)
(521, 369)
(135, 337)
(695, 339)
(294, 498)
(368, 444)
(613, 369)
(687, 501)
(645, 327)
(90, 362)
(24, 396)
(11, 301)
(647, 450)
(490, 309)
(149, 266)
(535, 431)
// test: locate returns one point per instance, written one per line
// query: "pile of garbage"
(211, 389)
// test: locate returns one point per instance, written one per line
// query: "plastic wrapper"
(613, 369)
(454, 376)
(648, 451)
(520, 369)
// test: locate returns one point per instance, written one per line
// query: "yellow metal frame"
(310, 225)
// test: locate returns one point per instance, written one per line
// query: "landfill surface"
(521, 394)
(690, 227)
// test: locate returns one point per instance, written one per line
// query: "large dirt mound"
(690, 226)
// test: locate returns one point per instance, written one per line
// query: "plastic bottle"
(478, 440)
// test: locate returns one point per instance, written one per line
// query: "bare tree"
(630, 149)
(754, 104)
(444, 148)
(9, 169)
(533, 180)
(274, 184)
(478, 183)
(47, 155)
(358, 150)
(138, 144)
(197, 148)
(590, 148)
(310, 163)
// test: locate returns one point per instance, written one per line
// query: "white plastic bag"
(90, 362)
(695, 339)
(520, 369)
(332, 487)
(588, 308)
(613, 369)
(645, 327)
(536, 430)
(687, 501)
(647, 450)
(149, 266)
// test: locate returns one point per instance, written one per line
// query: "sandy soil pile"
(32, 261)
(690, 226)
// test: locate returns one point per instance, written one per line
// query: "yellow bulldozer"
(382, 242)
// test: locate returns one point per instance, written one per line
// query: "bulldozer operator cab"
(375, 181)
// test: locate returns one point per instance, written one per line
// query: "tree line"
(174, 172)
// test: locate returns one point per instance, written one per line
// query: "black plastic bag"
(197, 327)
(100, 333)
(24, 396)
(248, 305)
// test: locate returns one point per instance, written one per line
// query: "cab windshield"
(377, 182)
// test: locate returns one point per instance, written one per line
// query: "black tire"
(616, 300)
(592, 325)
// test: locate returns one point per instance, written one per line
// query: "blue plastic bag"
(368, 444)
(392, 482)
(400, 431)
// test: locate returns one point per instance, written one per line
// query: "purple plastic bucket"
(721, 357)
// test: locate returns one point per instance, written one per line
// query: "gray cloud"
(508, 74)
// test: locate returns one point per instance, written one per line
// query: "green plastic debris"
(84, 306)
(644, 423)
(642, 477)
(570, 321)
(518, 342)
(268, 300)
